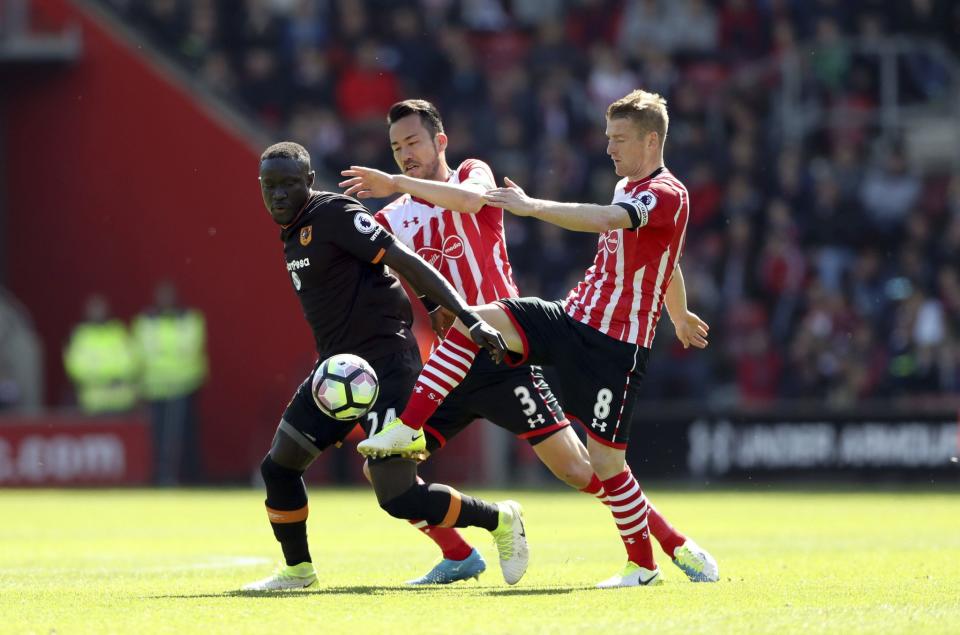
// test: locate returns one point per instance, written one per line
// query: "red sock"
(451, 543)
(629, 508)
(595, 489)
(668, 537)
(443, 372)
(449, 540)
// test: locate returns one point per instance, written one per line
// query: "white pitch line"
(227, 562)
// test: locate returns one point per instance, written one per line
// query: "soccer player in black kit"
(336, 254)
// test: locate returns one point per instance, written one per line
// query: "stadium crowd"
(827, 263)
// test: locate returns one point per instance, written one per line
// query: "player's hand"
(441, 320)
(511, 198)
(367, 183)
(490, 339)
(692, 331)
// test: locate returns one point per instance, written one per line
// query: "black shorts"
(599, 375)
(515, 398)
(314, 431)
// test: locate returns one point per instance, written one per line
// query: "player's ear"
(310, 178)
(441, 141)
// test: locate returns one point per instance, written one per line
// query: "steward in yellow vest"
(101, 360)
(172, 342)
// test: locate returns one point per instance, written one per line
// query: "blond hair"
(647, 110)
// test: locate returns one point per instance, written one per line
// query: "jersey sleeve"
(476, 175)
(355, 230)
(656, 206)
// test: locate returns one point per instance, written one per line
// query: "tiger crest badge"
(306, 235)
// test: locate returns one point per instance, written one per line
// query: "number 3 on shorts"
(529, 405)
(601, 409)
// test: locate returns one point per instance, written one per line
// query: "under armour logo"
(413, 221)
(418, 389)
(533, 421)
(599, 425)
(630, 541)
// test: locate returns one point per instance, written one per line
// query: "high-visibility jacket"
(101, 360)
(172, 347)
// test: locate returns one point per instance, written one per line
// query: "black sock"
(293, 541)
(477, 513)
(473, 511)
(287, 509)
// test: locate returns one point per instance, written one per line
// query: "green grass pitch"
(142, 561)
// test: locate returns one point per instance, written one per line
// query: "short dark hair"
(427, 112)
(288, 150)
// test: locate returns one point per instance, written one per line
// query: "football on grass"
(345, 387)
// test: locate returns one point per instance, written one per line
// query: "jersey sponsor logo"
(364, 223)
(296, 280)
(306, 235)
(610, 241)
(302, 263)
(452, 248)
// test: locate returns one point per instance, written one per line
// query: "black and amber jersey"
(333, 250)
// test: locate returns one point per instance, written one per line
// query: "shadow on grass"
(373, 590)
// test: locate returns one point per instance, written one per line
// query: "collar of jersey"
(306, 204)
(633, 184)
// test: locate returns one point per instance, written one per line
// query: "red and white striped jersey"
(622, 294)
(469, 250)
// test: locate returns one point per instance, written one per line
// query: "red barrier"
(142, 183)
(64, 451)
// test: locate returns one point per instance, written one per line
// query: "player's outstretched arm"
(425, 279)
(691, 330)
(580, 217)
(370, 183)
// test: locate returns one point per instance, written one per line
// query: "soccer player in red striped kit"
(469, 249)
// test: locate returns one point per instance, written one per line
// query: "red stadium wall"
(118, 178)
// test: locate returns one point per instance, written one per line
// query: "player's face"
(415, 150)
(285, 187)
(631, 149)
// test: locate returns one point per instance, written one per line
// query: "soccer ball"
(345, 387)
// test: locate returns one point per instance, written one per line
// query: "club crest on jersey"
(306, 235)
(364, 223)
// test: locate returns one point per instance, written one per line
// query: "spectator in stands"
(889, 193)
(171, 340)
(101, 360)
(513, 78)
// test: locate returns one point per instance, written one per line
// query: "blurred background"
(147, 329)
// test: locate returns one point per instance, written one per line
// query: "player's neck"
(443, 173)
(646, 170)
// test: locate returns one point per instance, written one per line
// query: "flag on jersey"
(622, 293)
(469, 250)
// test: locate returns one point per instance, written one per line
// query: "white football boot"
(632, 575)
(286, 578)
(511, 540)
